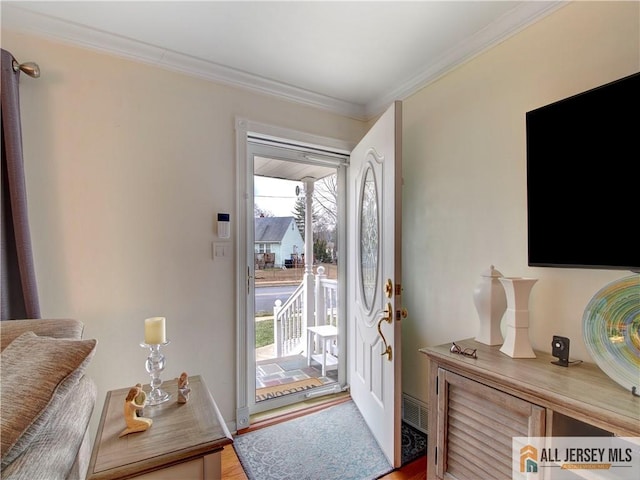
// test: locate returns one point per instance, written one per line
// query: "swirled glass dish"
(611, 330)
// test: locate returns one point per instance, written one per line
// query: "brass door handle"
(387, 318)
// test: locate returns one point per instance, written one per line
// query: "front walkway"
(265, 353)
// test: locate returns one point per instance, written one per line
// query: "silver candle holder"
(154, 366)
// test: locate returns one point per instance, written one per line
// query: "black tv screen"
(583, 180)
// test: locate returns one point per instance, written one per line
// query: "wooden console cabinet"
(477, 405)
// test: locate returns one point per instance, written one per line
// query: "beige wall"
(465, 179)
(127, 166)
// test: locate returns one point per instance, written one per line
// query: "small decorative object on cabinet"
(611, 330)
(133, 404)
(491, 303)
(476, 406)
(155, 336)
(516, 344)
(183, 388)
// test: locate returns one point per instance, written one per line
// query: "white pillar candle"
(155, 331)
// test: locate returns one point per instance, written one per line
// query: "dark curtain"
(19, 289)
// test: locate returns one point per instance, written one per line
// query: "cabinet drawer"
(193, 470)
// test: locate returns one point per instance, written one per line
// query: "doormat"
(276, 391)
(334, 443)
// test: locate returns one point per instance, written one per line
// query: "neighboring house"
(278, 242)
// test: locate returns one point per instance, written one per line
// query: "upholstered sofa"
(47, 400)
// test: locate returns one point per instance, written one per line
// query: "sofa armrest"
(63, 449)
(57, 328)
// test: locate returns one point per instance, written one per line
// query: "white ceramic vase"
(491, 302)
(516, 343)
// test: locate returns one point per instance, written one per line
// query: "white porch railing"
(289, 329)
(287, 324)
(326, 311)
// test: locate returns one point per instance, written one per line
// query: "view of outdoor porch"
(304, 353)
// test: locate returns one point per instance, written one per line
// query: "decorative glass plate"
(611, 330)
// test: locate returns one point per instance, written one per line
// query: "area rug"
(414, 443)
(275, 391)
(334, 443)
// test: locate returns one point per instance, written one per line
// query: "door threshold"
(289, 412)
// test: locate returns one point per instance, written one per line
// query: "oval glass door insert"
(369, 238)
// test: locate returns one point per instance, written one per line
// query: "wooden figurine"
(132, 405)
(141, 399)
(183, 388)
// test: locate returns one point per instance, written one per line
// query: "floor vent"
(415, 412)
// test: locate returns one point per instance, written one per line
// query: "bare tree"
(258, 211)
(325, 200)
(324, 217)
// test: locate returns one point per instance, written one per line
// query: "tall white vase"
(491, 303)
(516, 343)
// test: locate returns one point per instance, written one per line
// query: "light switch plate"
(220, 249)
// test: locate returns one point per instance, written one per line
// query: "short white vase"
(491, 303)
(516, 343)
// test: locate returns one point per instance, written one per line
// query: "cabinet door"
(475, 427)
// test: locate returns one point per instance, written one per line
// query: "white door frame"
(245, 356)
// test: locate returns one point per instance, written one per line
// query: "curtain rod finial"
(30, 68)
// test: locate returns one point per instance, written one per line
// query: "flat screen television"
(583, 179)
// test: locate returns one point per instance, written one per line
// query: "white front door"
(373, 280)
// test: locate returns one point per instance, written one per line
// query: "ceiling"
(353, 58)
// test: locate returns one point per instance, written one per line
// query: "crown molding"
(25, 21)
(508, 25)
(19, 19)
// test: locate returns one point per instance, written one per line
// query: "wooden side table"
(184, 441)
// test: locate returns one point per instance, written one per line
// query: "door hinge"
(437, 385)
(435, 453)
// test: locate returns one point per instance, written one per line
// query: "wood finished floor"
(232, 469)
